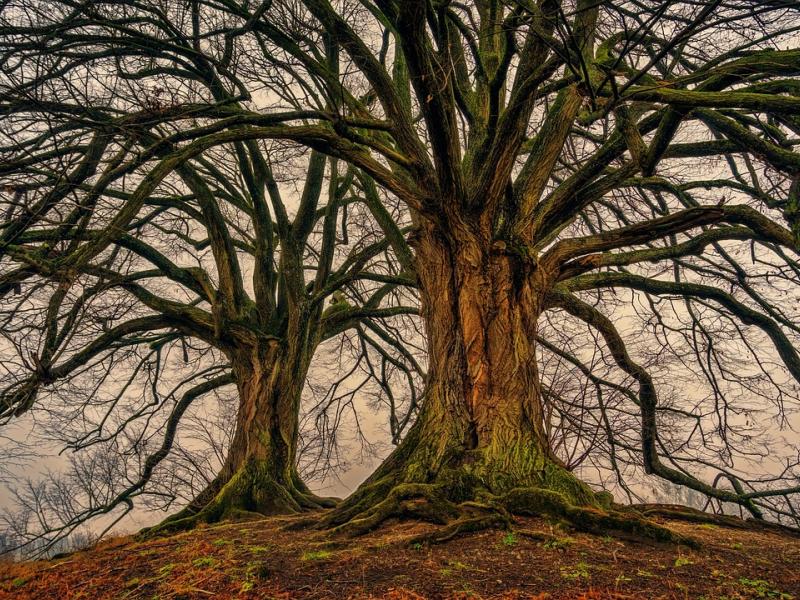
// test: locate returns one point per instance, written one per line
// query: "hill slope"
(261, 559)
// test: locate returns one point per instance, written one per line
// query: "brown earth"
(261, 559)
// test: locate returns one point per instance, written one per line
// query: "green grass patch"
(763, 589)
(509, 539)
(558, 543)
(579, 571)
(317, 555)
(205, 561)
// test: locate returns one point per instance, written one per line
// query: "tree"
(178, 265)
(547, 153)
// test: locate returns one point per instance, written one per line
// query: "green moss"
(579, 571)
(205, 561)
(222, 542)
(317, 555)
(605, 499)
(509, 539)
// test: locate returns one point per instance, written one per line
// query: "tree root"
(429, 502)
(474, 517)
(542, 502)
(409, 500)
(678, 512)
(250, 493)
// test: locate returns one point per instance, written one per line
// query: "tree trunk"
(480, 433)
(259, 474)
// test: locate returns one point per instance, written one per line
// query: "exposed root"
(430, 503)
(474, 517)
(410, 500)
(541, 502)
(253, 492)
(678, 512)
(169, 526)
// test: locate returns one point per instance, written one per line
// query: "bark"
(259, 475)
(480, 434)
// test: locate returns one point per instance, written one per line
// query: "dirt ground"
(262, 559)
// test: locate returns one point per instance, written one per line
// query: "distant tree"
(568, 166)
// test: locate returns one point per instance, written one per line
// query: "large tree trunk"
(480, 433)
(259, 474)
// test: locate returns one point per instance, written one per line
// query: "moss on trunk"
(259, 475)
(478, 452)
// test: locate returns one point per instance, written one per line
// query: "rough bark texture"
(259, 474)
(478, 452)
(481, 429)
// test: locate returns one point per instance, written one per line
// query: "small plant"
(682, 561)
(621, 578)
(257, 570)
(580, 571)
(708, 526)
(258, 549)
(509, 539)
(416, 546)
(737, 546)
(166, 569)
(317, 555)
(717, 574)
(467, 592)
(18, 582)
(222, 542)
(558, 543)
(205, 561)
(247, 586)
(763, 589)
(453, 565)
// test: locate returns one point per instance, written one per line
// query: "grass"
(509, 539)
(276, 562)
(682, 561)
(205, 561)
(558, 543)
(317, 555)
(763, 589)
(579, 571)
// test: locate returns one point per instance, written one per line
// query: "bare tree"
(609, 165)
(142, 272)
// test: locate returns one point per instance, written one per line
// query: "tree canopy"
(598, 203)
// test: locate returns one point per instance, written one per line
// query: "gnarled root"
(429, 502)
(677, 512)
(473, 517)
(252, 492)
(542, 502)
(408, 500)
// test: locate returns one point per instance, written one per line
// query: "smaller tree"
(142, 274)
